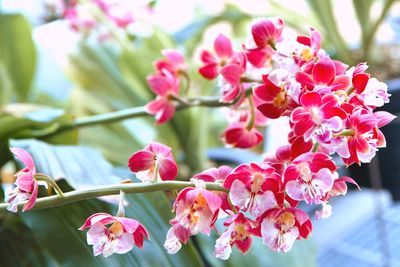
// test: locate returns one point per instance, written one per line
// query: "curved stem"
(50, 181)
(105, 190)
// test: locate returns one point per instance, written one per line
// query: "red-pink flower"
(27, 186)
(196, 211)
(310, 177)
(174, 62)
(153, 162)
(266, 32)
(275, 98)
(253, 188)
(214, 174)
(228, 63)
(322, 74)
(364, 137)
(165, 85)
(317, 116)
(239, 135)
(312, 45)
(119, 238)
(238, 233)
(281, 227)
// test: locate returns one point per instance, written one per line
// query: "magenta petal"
(24, 157)
(311, 99)
(245, 245)
(305, 79)
(209, 71)
(384, 118)
(168, 169)
(207, 57)
(213, 201)
(158, 84)
(141, 160)
(324, 71)
(181, 233)
(32, 200)
(25, 181)
(223, 46)
(231, 73)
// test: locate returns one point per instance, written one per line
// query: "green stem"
(105, 190)
(250, 124)
(50, 181)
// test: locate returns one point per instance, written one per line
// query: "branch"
(105, 190)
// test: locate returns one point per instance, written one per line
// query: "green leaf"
(56, 228)
(17, 51)
(5, 85)
(18, 247)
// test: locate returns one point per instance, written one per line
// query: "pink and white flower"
(174, 62)
(123, 234)
(310, 177)
(196, 211)
(165, 85)
(281, 227)
(26, 184)
(253, 188)
(238, 233)
(154, 162)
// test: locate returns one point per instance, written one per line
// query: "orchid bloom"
(318, 117)
(196, 211)
(228, 63)
(322, 75)
(240, 136)
(174, 62)
(238, 233)
(165, 85)
(310, 177)
(154, 162)
(123, 234)
(253, 188)
(275, 98)
(281, 227)
(27, 186)
(312, 45)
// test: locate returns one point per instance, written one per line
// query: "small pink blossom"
(310, 177)
(281, 227)
(214, 174)
(120, 237)
(267, 31)
(253, 188)
(165, 85)
(27, 186)
(174, 62)
(241, 136)
(196, 211)
(322, 74)
(228, 63)
(238, 233)
(153, 162)
(312, 45)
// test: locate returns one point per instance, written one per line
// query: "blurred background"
(56, 66)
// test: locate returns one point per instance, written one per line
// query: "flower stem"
(50, 181)
(105, 190)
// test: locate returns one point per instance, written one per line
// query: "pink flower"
(375, 93)
(275, 99)
(228, 63)
(253, 188)
(238, 233)
(27, 186)
(312, 45)
(196, 211)
(214, 174)
(281, 227)
(174, 62)
(310, 177)
(317, 116)
(153, 162)
(322, 74)
(165, 86)
(266, 32)
(119, 238)
(239, 135)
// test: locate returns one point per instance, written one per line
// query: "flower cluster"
(331, 110)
